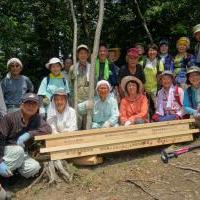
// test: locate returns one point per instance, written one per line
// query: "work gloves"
(4, 170)
(22, 139)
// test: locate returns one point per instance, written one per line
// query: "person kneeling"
(15, 130)
(134, 106)
(169, 102)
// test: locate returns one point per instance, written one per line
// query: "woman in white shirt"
(61, 117)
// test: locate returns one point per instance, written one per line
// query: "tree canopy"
(37, 30)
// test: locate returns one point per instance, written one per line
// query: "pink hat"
(133, 53)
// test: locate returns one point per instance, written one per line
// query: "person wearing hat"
(165, 56)
(105, 108)
(105, 114)
(15, 85)
(54, 81)
(169, 101)
(82, 69)
(3, 109)
(182, 61)
(16, 129)
(60, 116)
(113, 57)
(192, 93)
(132, 68)
(134, 106)
(196, 33)
(152, 66)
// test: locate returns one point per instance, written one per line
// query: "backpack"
(48, 79)
(177, 98)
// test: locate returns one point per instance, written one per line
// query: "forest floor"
(129, 175)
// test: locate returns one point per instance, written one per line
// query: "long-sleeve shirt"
(48, 88)
(3, 109)
(14, 89)
(82, 81)
(124, 71)
(103, 111)
(61, 122)
(191, 100)
(166, 102)
(12, 127)
(133, 109)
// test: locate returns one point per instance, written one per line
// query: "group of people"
(150, 87)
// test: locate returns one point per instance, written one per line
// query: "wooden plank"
(109, 141)
(104, 136)
(72, 153)
(115, 129)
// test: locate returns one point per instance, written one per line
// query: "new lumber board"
(113, 141)
(129, 145)
(114, 129)
(178, 128)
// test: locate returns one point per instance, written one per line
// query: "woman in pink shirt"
(134, 106)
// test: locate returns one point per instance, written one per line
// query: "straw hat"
(127, 79)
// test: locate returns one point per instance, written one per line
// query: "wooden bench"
(99, 141)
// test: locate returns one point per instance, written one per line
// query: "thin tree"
(74, 53)
(143, 21)
(93, 60)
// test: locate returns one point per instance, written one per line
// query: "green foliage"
(37, 30)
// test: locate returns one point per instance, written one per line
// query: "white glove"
(127, 123)
(106, 124)
(89, 104)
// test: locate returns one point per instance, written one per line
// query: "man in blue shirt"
(15, 85)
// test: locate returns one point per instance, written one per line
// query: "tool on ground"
(165, 156)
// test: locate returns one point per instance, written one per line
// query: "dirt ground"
(131, 175)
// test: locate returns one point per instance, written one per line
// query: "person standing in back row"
(196, 32)
(15, 85)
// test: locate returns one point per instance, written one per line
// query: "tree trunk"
(93, 59)
(74, 53)
(143, 21)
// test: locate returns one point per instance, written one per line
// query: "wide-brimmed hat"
(127, 79)
(183, 41)
(166, 72)
(196, 28)
(193, 69)
(82, 46)
(31, 97)
(54, 61)
(14, 60)
(60, 92)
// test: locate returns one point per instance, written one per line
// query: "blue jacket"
(189, 101)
